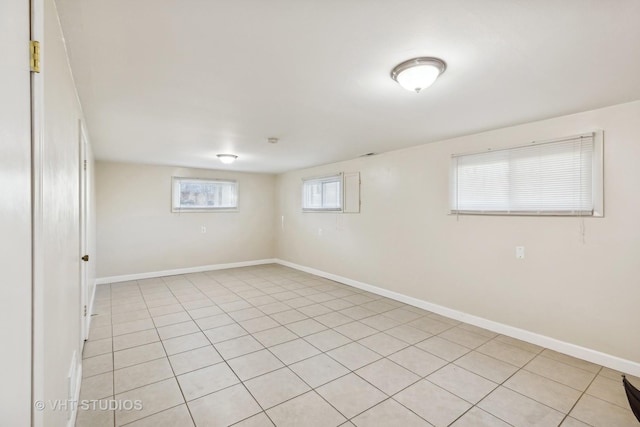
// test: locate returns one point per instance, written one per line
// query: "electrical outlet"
(519, 252)
(203, 229)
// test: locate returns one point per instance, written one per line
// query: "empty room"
(320, 213)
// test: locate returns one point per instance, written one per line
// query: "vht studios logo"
(88, 405)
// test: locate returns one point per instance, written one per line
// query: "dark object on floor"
(633, 394)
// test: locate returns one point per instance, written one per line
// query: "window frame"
(175, 196)
(597, 184)
(324, 178)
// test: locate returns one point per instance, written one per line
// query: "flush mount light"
(227, 158)
(418, 73)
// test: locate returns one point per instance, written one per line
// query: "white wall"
(57, 301)
(15, 215)
(403, 240)
(138, 233)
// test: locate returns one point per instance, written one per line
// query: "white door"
(15, 214)
(84, 247)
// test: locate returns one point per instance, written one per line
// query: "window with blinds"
(559, 177)
(322, 193)
(198, 195)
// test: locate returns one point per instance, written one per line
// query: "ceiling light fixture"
(418, 73)
(227, 159)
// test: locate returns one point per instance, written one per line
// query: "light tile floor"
(268, 345)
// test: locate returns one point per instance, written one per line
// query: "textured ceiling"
(178, 81)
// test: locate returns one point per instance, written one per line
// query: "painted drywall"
(57, 293)
(138, 233)
(15, 215)
(579, 291)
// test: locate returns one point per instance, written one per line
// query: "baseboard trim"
(187, 270)
(594, 356)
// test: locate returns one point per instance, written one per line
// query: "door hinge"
(85, 310)
(85, 165)
(34, 56)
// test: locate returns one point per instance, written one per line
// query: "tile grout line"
(285, 366)
(502, 385)
(172, 370)
(503, 382)
(250, 334)
(425, 378)
(241, 381)
(212, 346)
(151, 415)
(348, 369)
(406, 322)
(228, 366)
(187, 297)
(581, 396)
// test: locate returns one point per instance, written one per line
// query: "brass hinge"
(34, 56)
(85, 311)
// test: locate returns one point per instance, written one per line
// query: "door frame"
(38, 281)
(84, 242)
(16, 227)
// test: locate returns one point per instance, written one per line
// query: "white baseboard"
(199, 269)
(594, 356)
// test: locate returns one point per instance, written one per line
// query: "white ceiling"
(178, 81)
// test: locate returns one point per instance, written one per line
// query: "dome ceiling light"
(418, 73)
(227, 159)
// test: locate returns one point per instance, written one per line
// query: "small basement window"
(322, 193)
(558, 177)
(202, 195)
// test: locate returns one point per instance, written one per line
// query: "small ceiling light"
(418, 73)
(227, 158)
(272, 140)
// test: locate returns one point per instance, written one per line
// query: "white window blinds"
(560, 177)
(324, 193)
